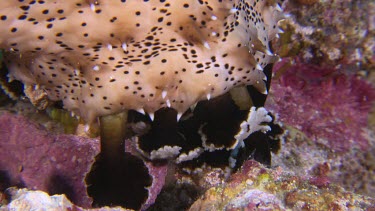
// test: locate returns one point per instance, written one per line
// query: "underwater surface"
(194, 105)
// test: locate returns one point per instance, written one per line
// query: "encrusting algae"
(104, 57)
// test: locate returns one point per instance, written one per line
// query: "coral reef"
(157, 71)
(32, 157)
(186, 151)
(329, 137)
(255, 187)
(324, 92)
(338, 106)
(24, 199)
(337, 33)
(353, 170)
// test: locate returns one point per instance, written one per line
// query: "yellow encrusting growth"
(102, 57)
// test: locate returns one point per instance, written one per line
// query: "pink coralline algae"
(33, 158)
(328, 106)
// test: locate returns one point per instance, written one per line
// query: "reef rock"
(327, 105)
(327, 117)
(255, 187)
(338, 33)
(34, 158)
(24, 199)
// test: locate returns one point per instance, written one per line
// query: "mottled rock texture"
(259, 188)
(34, 158)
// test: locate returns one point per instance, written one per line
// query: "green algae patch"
(64, 117)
